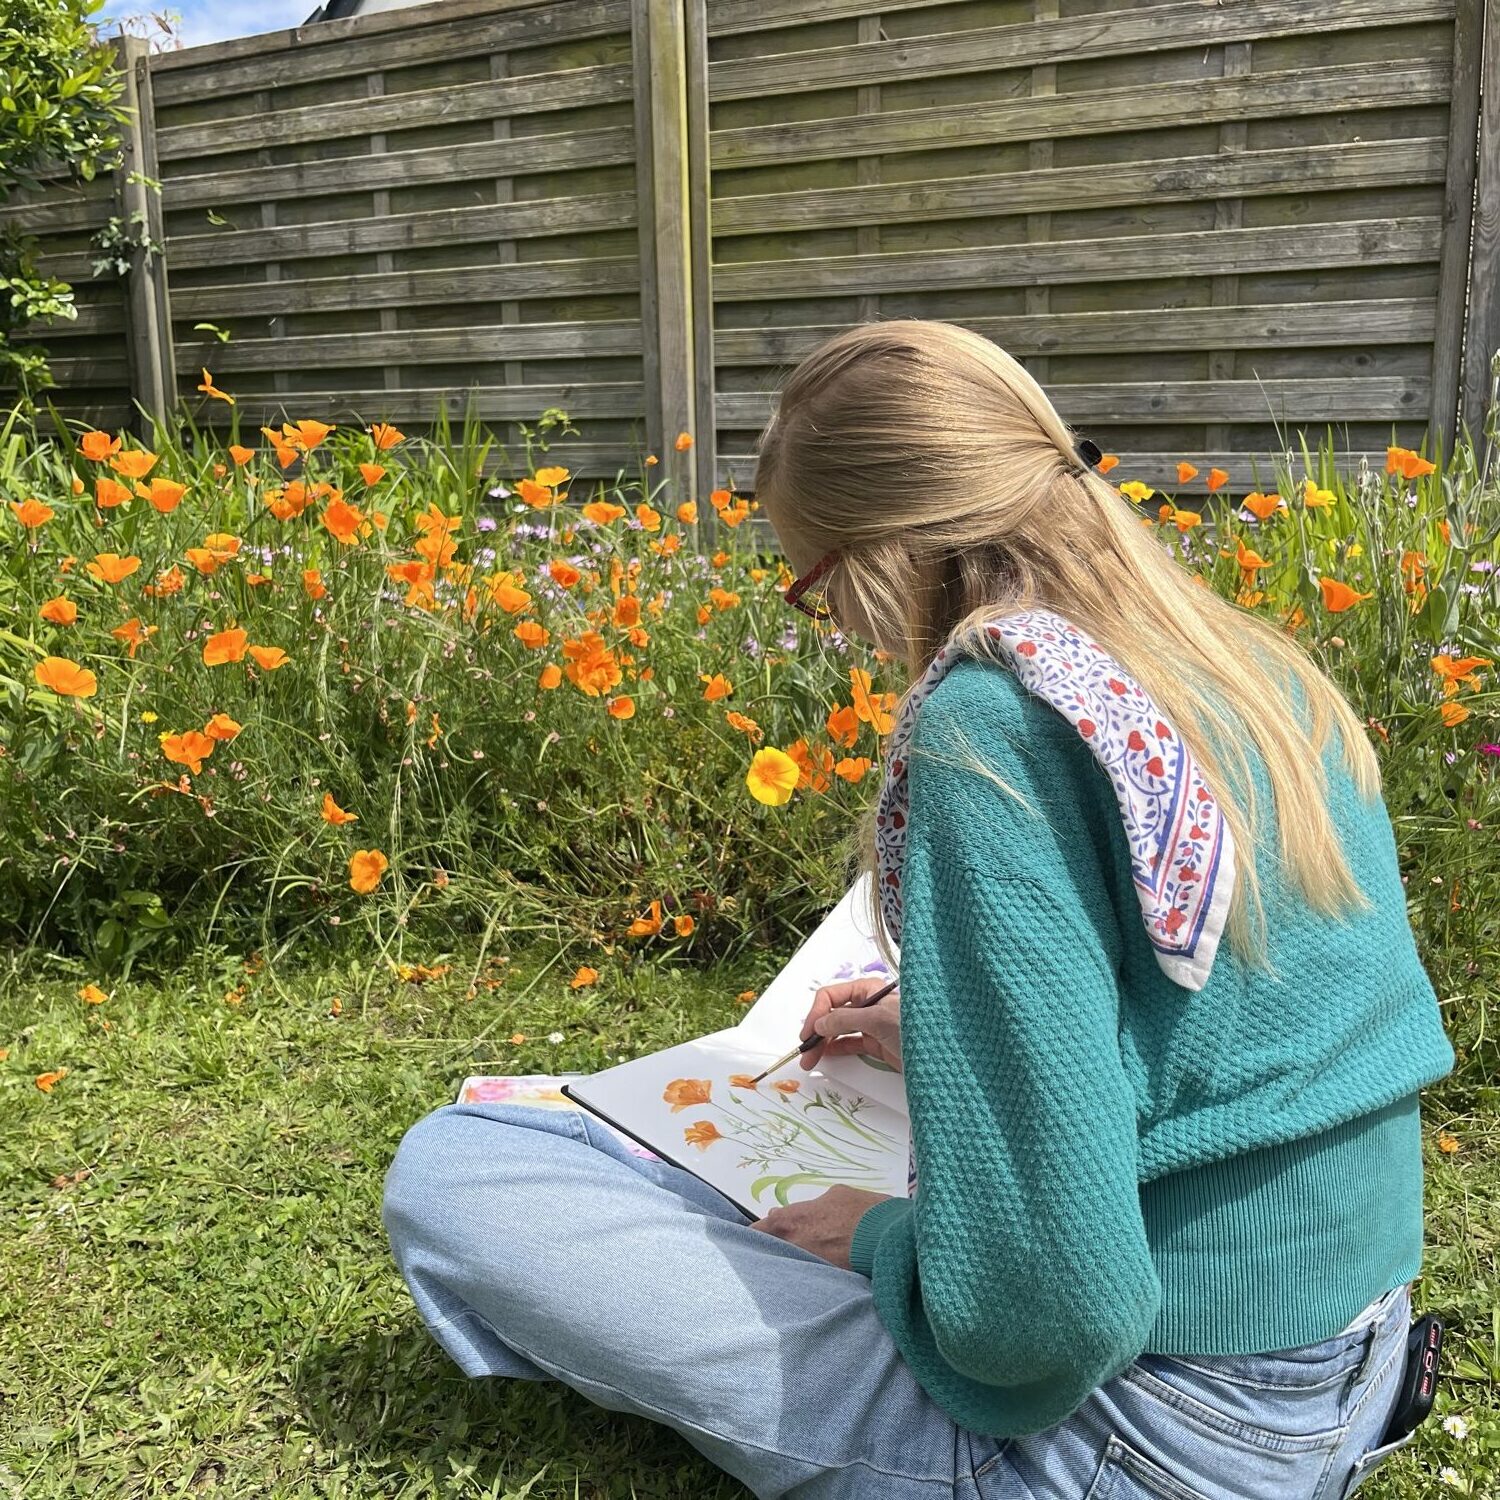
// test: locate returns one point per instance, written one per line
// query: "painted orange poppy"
(742, 1081)
(787, 1085)
(702, 1134)
(65, 678)
(687, 1093)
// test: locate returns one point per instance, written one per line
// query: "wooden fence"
(1203, 224)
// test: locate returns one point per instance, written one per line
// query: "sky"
(217, 20)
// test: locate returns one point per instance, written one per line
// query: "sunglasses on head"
(814, 607)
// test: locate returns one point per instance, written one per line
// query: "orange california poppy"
(46, 1082)
(222, 727)
(108, 493)
(312, 583)
(343, 520)
(1337, 597)
(386, 436)
(531, 635)
(165, 495)
(110, 567)
(716, 687)
(1262, 507)
(602, 513)
(814, 767)
(564, 574)
(31, 513)
(133, 463)
(1109, 462)
(59, 611)
(372, 474)
(852, 768)
(366, 866)
(190, 749)
(843, 726)
(583, 976)
(684, 442)
(687, 512)
(870, 708)
(649, 517)
(1186, 473)
(306, 434)
(551, 676)
(1316, 499)
(207, 386)
(268, 658)
(66, 678)
(334, 814)
(133, 634)
(683, 926)
(240, 455)
(537, 496)
(1217, 479)
(647, 926)
(1453, 714)
(170, 582)
(225, 647)
(97, 446)
(687, 1093)
(622, 707)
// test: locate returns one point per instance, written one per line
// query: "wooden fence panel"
(1200, 225)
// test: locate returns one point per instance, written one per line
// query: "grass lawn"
(197, 1295)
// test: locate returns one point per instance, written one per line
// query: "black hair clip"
(1090, 453)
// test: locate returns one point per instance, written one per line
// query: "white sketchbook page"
(761, 1145)
(841, 947)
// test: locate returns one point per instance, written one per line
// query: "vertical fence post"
(1482, 336)
(1458, 224)
(700, 240)
(148, 314)
(658, 44)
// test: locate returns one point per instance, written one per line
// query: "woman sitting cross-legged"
(1161, 1020)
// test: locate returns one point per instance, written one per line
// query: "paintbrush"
(815, 1040)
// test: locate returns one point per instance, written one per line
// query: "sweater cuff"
(872, 1224)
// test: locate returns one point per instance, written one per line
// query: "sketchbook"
(797, 1132)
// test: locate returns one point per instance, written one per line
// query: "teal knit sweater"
(1109, 1163)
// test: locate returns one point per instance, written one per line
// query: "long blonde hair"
(939, 471)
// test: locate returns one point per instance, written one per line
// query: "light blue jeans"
(536, 1246)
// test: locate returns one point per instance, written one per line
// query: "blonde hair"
(939, 471)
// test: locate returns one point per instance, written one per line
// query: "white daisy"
(556, 1036)
(1455, 1426)
(1452, 1478)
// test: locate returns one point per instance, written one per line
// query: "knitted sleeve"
(1019, 1277)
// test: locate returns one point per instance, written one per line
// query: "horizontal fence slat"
(1206, 252)
(1170, 28)
(1312, 325)
(61, 209)
(1246, 471)
(1153, 106)
(582, 400)
(570, 88)
(519, 280)
(1362, 164)
(212, 74)
(446, 226)
(602, 339)
(512, 157)
(1376, 398)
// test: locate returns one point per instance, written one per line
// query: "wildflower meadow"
(338, 763)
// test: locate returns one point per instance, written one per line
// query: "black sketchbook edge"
(593, 1109)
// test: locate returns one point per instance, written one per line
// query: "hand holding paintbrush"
(877, 1035)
